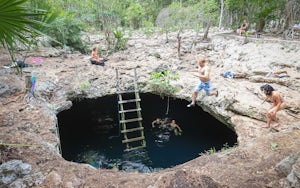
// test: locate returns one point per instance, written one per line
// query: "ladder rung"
(139, 147)
(128, 101)
(133, 139)
(130, 110)
(127, 91)
(132, 130)
(131, 120)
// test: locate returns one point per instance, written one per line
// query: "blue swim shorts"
(203, 85)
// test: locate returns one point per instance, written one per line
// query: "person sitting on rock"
(243, 28)
(95, 59)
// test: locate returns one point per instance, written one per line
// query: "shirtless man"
(204, 75)
(278, 104)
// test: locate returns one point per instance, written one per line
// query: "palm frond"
(16, 22)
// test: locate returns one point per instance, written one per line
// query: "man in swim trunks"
(204, 75)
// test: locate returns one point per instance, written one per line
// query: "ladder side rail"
(122, 119)
(138, 105)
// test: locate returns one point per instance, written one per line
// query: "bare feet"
(265, 126)
(277, 124)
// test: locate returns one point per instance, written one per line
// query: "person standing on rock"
(204, 75)
(278, 104)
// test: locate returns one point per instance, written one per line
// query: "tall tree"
(221, 13)
(209, 11)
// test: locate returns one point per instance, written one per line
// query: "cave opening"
(90, 133)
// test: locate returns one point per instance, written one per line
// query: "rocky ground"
(263, 158)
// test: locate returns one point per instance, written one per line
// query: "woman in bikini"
(95, 59)
(278, 104)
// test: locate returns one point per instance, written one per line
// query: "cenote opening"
(90, 133)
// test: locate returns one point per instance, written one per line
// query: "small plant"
(208, 152)
(241, 54)
(121, 42)
(85, 86)
(160, 83)
(149, 31)
(274, 146)
(246, 34)
(116, 166)
(225, 147)
(258, 43)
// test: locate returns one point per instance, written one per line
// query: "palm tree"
(17, 25)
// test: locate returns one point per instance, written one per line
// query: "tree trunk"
(221, 14)
(206, 31)
(179, 44)
(260, 25)
(288, 16)
(167, 37)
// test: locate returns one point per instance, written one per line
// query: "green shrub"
(120, 41)
(67, 30)
(160, 82)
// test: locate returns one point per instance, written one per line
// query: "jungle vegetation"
(65, 21)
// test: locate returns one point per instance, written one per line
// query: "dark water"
(89, 133)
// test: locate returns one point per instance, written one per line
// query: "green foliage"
(121, 41)
(149, 31)
(177, 18)
(274, 146)
(160, 82)
(246, 34)
(213, 150)
(209, 10)
(15, 22)
(85, 86)
(18, 25)
(67, 30)
(209, 152)
(242, 54)
(257, 11)
(134, 15)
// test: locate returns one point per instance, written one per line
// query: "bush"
(121, 42)
(67, 30)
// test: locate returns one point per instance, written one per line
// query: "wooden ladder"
(130, 116)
